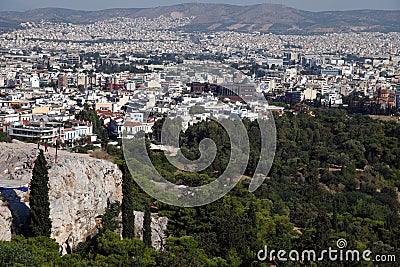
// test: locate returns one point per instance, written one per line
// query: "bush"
(45, 248)
(4, 138)
(13, 254)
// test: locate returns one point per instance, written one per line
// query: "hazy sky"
(312, 5)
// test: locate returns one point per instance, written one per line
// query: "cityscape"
(72, 94)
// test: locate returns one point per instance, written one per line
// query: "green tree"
(14, 254)
(39, 219)
(183, 251)
(104, 139)
(110, 217)
(89, 114)
(45, 249)
(147, 226)
(4, 138)
(128, 215)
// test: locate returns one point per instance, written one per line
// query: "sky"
(311, 5)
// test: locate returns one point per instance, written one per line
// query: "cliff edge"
(80, 189)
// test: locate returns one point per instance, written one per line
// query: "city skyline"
(310, 5)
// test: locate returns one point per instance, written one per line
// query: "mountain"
(260, 17)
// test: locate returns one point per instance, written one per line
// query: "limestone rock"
(5, 221)
(80, 187)
(158, 227)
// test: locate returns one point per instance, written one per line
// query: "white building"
(129, 128)
(35, 82)
(77, 132)
(333, 98)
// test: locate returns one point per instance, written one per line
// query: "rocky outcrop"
(158, 227)
(5, 221)
(80, 189)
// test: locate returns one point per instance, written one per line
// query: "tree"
(128, 215)
(184, 251)
(197, 110)
(322, 227)
(147, 226)
(49, 66)
(110, 217)
(104, 139)
(14, 254)
(4, 138)
(39, 220)
(89, 114)
(46, 250)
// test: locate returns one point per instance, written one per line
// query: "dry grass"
(101, 154)
(26, 196)
(385, 118)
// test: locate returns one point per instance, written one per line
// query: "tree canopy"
(39, 218)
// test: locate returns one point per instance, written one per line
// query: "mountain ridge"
(259, 17)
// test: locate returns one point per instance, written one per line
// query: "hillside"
(260, 17)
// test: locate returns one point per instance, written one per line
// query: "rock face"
(158, 227)
(5, 221)
(80, 189)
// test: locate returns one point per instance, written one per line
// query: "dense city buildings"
(199, 135)
(49, 70)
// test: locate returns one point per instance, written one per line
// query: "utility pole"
(55, 160)
(57, 138)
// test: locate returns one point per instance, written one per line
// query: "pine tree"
(147, 226)
(104, 139)
(128, 215)
(334, 217)
(39, 220)
(110, 217)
